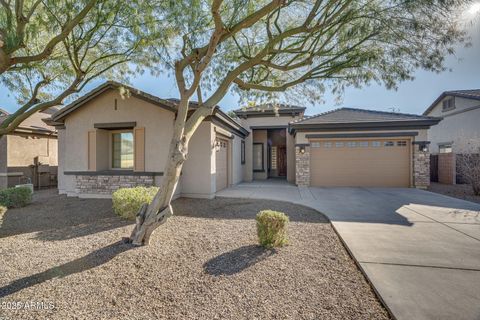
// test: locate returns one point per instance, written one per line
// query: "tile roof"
(57, 117)
(269, 108)
(475, 93)
(353, 115)
(468, 94)
(61, 113)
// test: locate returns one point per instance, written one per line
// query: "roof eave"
(231, 123)
(445, 94)
(353, 126)
(62, 113)
(268, 113)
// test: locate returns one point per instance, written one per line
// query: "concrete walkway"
(420, 250)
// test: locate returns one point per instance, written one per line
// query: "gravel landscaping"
(202, 264)
(460, 191)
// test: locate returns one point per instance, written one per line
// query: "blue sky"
(411, 97)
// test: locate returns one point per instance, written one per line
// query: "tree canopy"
(273, 46)
(52, 49)
(293, 48)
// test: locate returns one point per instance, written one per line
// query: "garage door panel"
(360, 166)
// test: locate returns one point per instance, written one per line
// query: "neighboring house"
(107, 141)
(29, 154)
(460, 111)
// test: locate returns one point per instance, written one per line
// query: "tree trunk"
(159, 210)
(4, 58)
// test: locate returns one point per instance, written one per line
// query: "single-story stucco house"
(107, 141)
(29, 153)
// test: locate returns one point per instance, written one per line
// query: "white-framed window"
(339, 144)
(376, 144)
(351, 144)
(445, 148)
(315, 144)
(327, 144)
(363, 144)
(122, 149)
(401, 143)
(448, 104)
(389, 144)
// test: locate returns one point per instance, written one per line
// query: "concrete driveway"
(420, 250)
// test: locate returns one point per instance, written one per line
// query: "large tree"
(30, 30)
(259, 47)
(49, 50)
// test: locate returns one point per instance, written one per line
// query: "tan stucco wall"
(238, 168)
(158, 125)
(456, 126)
(198, 174)
(65, 183)
(22, 150)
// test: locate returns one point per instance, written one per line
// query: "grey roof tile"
(475, 93)
(269, 107)
(353, 115)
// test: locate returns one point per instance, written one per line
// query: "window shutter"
(92, 150)
(139, 140)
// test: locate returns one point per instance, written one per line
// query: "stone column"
(421, 165)
(302, 165)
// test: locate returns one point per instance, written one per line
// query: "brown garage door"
(360, 163)
(221, 161)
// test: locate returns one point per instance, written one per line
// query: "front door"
(282, 161)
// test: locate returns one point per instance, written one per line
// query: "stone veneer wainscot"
(107, 184)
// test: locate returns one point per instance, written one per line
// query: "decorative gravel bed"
(202, 264)
(460, 191)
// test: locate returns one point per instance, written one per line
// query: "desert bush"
(468, 167)
(127, 201)
(468, 162)
(15, 197)
(272, 228)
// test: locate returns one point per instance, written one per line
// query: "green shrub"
(15, 197)
(272, 228)
(127, 201)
